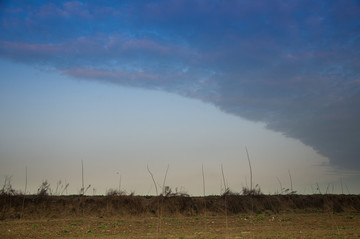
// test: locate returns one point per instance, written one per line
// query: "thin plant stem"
(225, 202)
(82, 178)
(318, 187)
(224, 181)
(152, 176)
(203, 176)
(159, 217)
(281, 188)
(327, 188)
(291, 185)
(23, 203)
(120, 184)
(251, 181)
(163, 187)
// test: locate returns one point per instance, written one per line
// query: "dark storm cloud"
(293, 65)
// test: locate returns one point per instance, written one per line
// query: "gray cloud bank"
(294, 65)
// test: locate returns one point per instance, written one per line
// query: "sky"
(121, 85)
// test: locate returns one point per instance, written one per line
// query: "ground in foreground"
(263, 225)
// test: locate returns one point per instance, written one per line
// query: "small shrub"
(7, 188)
(115, 192)
(84, 190)
(254, 191)
(228, 192)
(44, 189)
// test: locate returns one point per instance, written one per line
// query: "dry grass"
(44, 206)
(263, 225)
(128, 216)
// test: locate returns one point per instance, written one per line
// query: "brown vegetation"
(44, 206)
(180, 216)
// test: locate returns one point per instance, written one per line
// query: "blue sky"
(184, 83)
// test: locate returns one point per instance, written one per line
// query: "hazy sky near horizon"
(121, 85)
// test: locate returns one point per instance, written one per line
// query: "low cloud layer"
(294, 65)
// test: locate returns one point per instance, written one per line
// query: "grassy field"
(277, 216)
(264, 225)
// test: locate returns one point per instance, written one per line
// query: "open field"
(277, 216)
(265, 225)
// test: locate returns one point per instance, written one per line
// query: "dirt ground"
(263, 225)
(258, 216)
